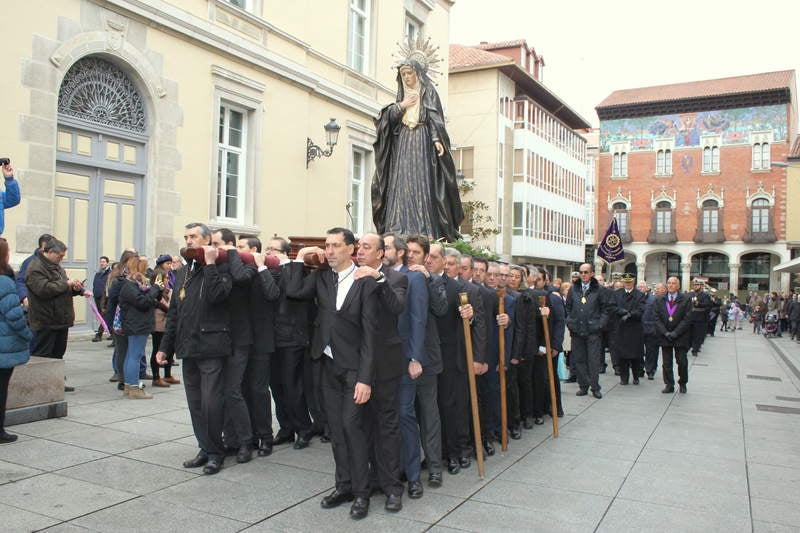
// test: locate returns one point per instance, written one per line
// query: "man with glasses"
(587, 314)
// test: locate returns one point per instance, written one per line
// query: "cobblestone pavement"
(724, 457)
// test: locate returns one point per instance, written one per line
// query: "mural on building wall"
(734, 125)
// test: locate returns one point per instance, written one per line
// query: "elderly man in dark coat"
(628, 330)
(673, 324)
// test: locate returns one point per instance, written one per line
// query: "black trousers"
(255, 390)
(120, 350)
(454, 408)
(541, 387)
(629, 366)
(5, 377)
(485, 413)
(525, 380)
(383, 435)
(430, 422)
(347, 422)
(698, 334)
(288, 389)
(312, 386)
(50, 343)
(237, 428)
(512, 395)
(650, 353)
(587, 352)
(547, 402)
(155, 368)
(683, 364)
(204, 383)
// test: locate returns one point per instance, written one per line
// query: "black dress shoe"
(572, 379)
(636, 380)
(435, 480)
(682, 389)
(67, 388)
(302, 442)
(669, 389)
(393, 503)
(538, 421)
(560, 413)
(414, 490)
(360, 508)
(465, 462)
(582, 392)
(335, 499)
(282, 438)
(5, 438)
(244, 454)
(488, 447)
(651, 376)
(453, 467)
(515, 433)
(597, 394)
(325, 438)
(200, 459)
(527, 424)
(213, 466)
(623, 382)
(265, 447)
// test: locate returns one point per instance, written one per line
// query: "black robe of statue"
(413, 190)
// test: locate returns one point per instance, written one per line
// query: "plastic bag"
(563, 371)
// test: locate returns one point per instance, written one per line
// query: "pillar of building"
(734, 279)
(686, 269)
(640, 271)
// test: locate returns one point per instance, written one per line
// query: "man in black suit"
(411, 326)
(238, 431)
(347, 327)
(454, 400)
(701, 307)
(264, 293)
(383, 419)
(673, 322)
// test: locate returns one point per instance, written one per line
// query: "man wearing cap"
(628, 333)
(701, 306)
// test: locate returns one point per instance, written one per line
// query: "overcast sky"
(593, 48)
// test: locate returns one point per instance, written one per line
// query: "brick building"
(689, 171)
(516, 141)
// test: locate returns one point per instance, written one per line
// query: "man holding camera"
(11, 196)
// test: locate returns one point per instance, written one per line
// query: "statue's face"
(409, 76)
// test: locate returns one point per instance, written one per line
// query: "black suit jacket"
(264, 295)
(239, 300)
(389, 360)
(350, 331)
(451, 325)
(680, 323)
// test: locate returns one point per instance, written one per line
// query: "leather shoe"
(200, 459)
(515, 433)
(582, 392)
(538, 421)
(651, 376)
(682, 389)
(67, 388)
(393, 503)
(244, 454)
(265, 447)
(302, 442)
(282, 438)
(335, 499)
(488, 447)
(453, 467)
(669, 389)
(465, 462)
(636, 380)
(213, 466)
(5, 438)
(435, 480)
(415, 489)
(360, 508)
(325, 438)
(597, 394)
(527, 424)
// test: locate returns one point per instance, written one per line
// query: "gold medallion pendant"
(670, 319)
(182, 294)
(583, 300)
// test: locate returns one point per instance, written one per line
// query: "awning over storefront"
(788, 266)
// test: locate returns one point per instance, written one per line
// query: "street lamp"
(331, 136)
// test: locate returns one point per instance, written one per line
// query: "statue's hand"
(439, 148)
(409, 101)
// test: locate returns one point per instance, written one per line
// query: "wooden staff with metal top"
(473, 387)
(501, 369)
(550, 373)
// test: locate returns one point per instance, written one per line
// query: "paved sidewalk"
(637, 460)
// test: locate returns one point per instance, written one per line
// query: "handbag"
(563, 371)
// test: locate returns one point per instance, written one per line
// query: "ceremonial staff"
(550, 373)
(473, 388)
(501, 368)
